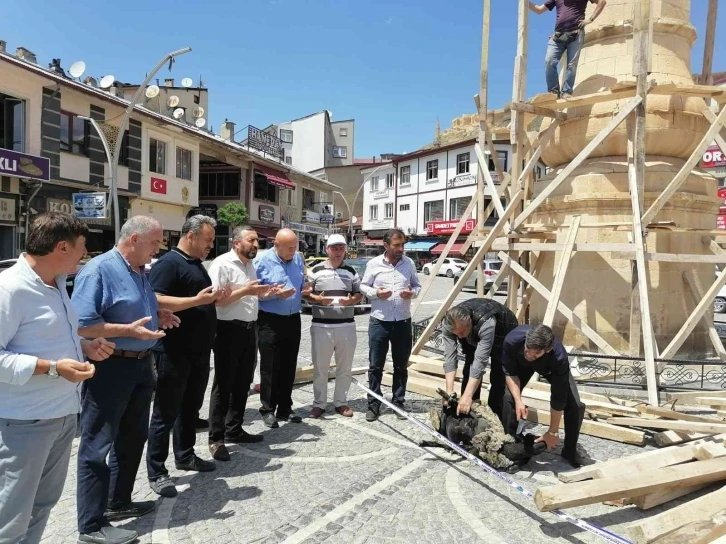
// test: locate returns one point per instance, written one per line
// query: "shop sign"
(210, 210)
(302, 227)
(266, 213)
(89, 205)
(310, 216)
(463, 179)
(66, 206)
(448, 227)
(380, 194)
(721, 222)
(713, 157)
(20, 165)
(327, 213)
(7, 209)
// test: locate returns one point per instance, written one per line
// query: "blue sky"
(394, 65)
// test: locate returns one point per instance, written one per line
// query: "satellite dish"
(152, 91)
(77, 69)
(178, 113)
(354, 219)
(91, 81)
(187, 82)
(198, 112)
(107, 81)
(200, 122)
(173, 101)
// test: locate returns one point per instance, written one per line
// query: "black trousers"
(279, 339)
(235, 355)
(381, 334)
(497, 384)
(115, 419)
(181, 382)
(574, 413)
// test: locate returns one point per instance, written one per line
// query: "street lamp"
(110, 136)
(355, 198)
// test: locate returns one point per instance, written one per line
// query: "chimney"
(169, 82)
(26, 55)
(227, 131)
(437, 137)
(3, 46)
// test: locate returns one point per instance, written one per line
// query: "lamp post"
(113, 154)
(351, 207)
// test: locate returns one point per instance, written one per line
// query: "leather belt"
(131, 354)
(245, 324)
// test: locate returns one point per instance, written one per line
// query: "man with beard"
(390, 282)
(182, 284)
(235, 346)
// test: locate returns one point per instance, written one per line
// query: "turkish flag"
(158, 185)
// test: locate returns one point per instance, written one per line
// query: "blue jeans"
(555, 50)
(380, 334)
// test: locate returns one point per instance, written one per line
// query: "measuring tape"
(584, 525)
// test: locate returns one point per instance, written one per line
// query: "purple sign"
(20, 165)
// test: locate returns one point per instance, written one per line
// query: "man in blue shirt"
(114, 299)
(279, 326)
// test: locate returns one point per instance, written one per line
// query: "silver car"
(491, 271)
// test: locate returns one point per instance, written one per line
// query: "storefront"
(9, 247)
(312, 238)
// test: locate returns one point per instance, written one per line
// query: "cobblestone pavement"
(340, 480)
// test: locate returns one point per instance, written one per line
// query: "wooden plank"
(473, 236)
(626, 91)
(686, 397)
(559, 281)
(673, 257)
(708, 114)
(435, 368)
(685, 171)
(651, 500)
(688, 426)
(710, 451)
(482, 105)
(478, 257)
(690, 91)
(649, 529)
(672, 414)
(527, 296)
(594, 428)
(544, 112)
(690, 324)
(671, 438)
(585, 247)
(709, 42)
(693, 283)
(501, 276)
(711, 401)
(483, 165)
(706, 531)
(576, 162)
(589, 492)
(576, 320)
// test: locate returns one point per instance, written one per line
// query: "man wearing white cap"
(336, 290)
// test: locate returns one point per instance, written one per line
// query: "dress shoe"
(291, 416)
(197, 464)
(344, 411)
(243, 437)
(163, 486)
(219, 451)
(119, 511)
(316, 412)
(109, 535)
(269, 420)
(400, 406)
(371, 415)
(575, 460)
(201, 424)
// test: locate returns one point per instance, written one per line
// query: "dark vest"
(482, 309)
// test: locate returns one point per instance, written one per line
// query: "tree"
(232, 214)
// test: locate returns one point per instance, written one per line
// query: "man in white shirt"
(235, 346)
(42, 362)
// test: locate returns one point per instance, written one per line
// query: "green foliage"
(232, 214)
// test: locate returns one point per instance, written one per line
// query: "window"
(374, 183)
(157, 156)
(389, 181)
(538, 172)
(343, 132)
(286, 136)
(340, 152)
(457, 207)
(462, 164)
(183, 163)
(432, 170)
(405, 175)
(389, 210)
(494, 217)
(290, 197)
(74, 134)
(404, 208)
(434, 211)
(373, 213)
(288, 160)
(503, 156)
(324, 197)
(308, 200)
(219, 184)
(264, 190)
(124, 156)
(12, 123)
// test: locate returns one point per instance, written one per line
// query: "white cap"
(336, 240)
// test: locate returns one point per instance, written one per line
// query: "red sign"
(713, 157)
(721, 222)
(448, 227)
(158, 185)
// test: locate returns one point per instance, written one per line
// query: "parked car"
(448, 268)
(360, 267)
(70, 280)
(719, 303)
(491, 271)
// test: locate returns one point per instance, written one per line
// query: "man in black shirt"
(181, 283)
(527, 350)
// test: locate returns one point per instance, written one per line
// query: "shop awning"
(275, 177)
(439, 249)
(371, 242)
(265, 232)
(420, 245)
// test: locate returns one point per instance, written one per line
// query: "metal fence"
(624, 371)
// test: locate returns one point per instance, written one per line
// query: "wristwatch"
(553, 434)
(53, 370)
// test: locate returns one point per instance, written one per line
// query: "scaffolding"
(522, 250)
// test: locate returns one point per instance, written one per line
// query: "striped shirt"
(396, 278)
(335, 283)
